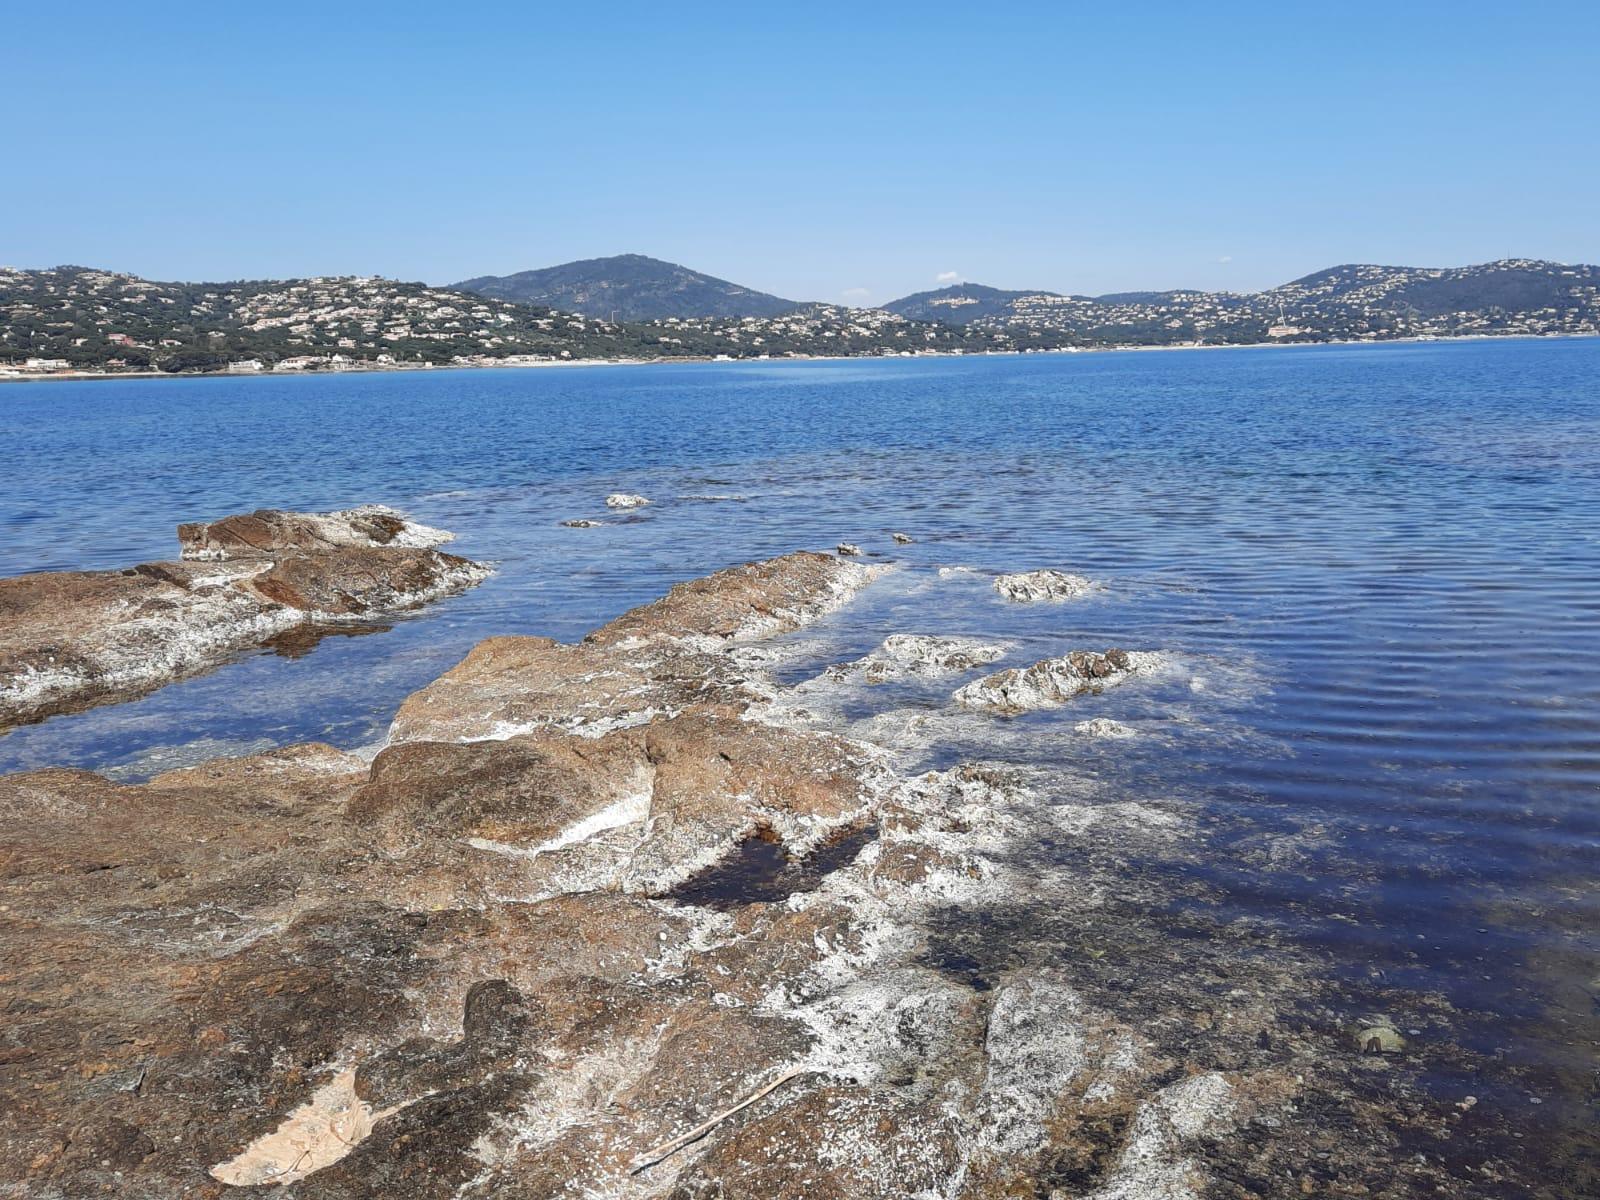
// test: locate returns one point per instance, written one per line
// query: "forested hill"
(630, 287)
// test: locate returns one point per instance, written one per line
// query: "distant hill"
(1351, 302)
(1513, 285)
(961, 304)
(629, 287)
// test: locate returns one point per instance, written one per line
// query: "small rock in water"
(1104, 727)
(902, 539)
(1030, 586)
(74, 639)
(626, 500)
(849, 549)
(908, 654)
(1052, 681)
(582, 523)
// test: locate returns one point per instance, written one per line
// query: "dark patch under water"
(761, 871)
(301, 640)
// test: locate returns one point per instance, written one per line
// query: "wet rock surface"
(909, 654)
(591, 925)
(1104, 727)
(270, 532)
(73, 639)
(1030, 587)
(1053, 681)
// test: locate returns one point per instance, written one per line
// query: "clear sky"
(841, 152)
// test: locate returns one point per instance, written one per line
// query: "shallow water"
(1373, 572)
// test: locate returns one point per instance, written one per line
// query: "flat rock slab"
(658, 658)
(74, 639)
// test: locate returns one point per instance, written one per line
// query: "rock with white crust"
(1030, 587)
(1051, 681)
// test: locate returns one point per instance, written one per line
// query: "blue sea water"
(1379, 567)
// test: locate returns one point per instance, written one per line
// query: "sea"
(1373, 572)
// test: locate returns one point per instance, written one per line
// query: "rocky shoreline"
(607, 919)
(75, 639)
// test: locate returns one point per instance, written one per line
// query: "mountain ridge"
(73, 319)
(629, 287)
(1351, 301)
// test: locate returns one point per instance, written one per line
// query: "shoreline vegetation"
(10, 375)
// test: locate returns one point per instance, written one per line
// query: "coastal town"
(74, 321)
(1513, 297)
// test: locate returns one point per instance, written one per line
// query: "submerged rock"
(902, 539)
(1032, 586)
(849, 549)
(582, 523)
(1104, 727)
(913, 654)
(73, 639)
(1052, 681)
(626, 500)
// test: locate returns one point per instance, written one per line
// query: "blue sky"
(821, 151)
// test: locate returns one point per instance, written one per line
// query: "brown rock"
(772, 596)
(360, 580)
(73, 639)
(521, 792)
(269, 533)
(507, 685)
(659, 658)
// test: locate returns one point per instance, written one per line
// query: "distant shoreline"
(107, 376)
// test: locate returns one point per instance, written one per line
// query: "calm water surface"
(1376, 566)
